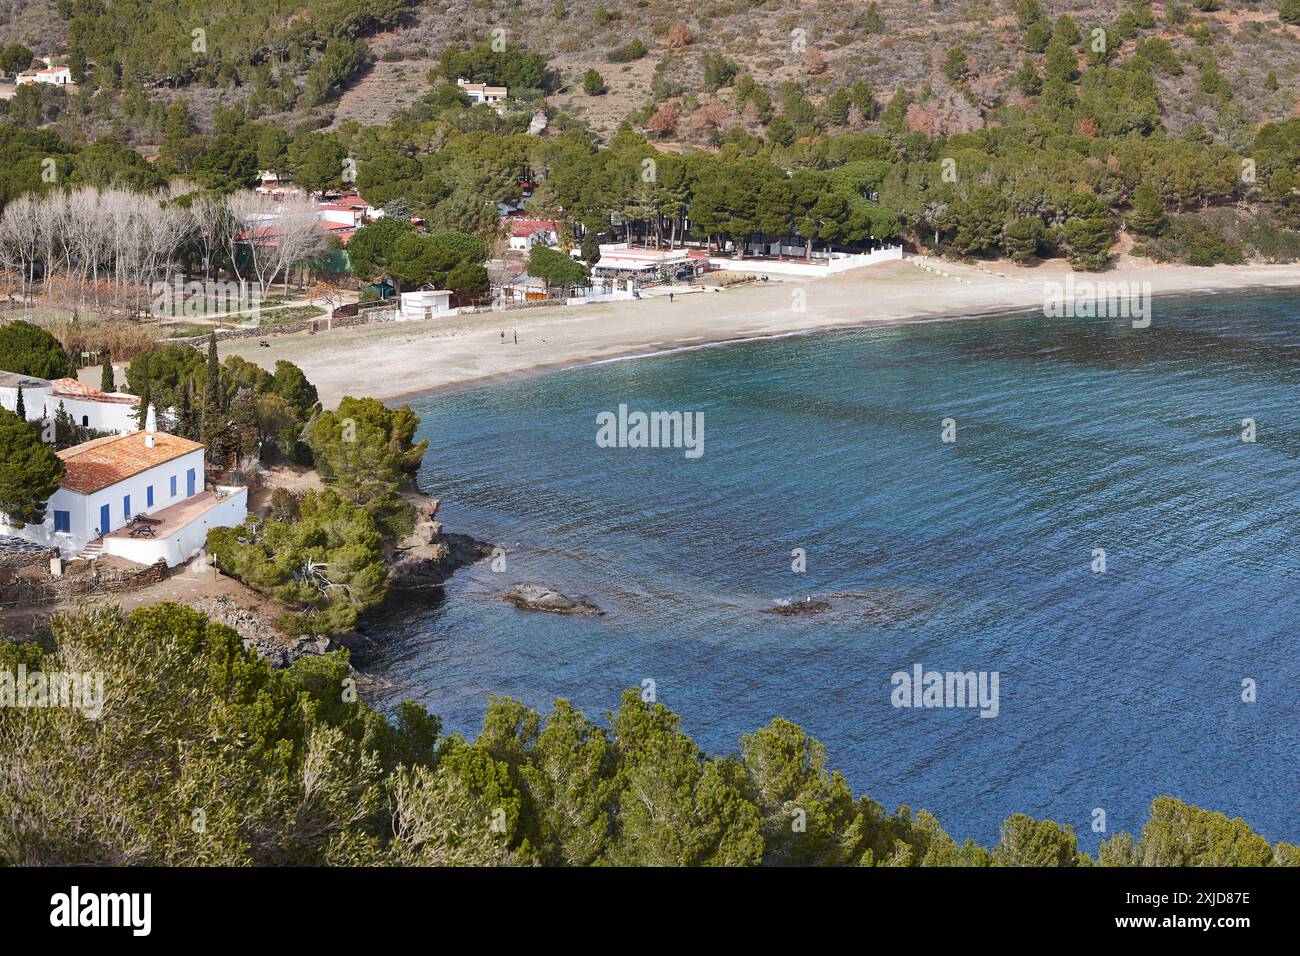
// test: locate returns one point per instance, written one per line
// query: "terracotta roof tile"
(71, 388)
(94, 465)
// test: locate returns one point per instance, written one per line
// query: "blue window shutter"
(148, 497)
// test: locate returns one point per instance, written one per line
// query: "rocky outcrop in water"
(795, 608)
(428, 556)
(534, 597)
(882, 606)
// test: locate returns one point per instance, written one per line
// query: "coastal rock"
(808, 605)
(258, 635)
(533, 597)
(881, 606)
(362, 649)
(887, 606)
(428, 556)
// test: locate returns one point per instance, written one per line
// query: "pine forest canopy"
(303, 774)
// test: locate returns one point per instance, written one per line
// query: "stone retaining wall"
(80, 579)
(288, 328)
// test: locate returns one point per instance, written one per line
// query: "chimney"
(150, 427)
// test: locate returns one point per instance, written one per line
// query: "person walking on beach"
(516, 336)
(670, 297)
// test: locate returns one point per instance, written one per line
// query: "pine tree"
(590, 248)
(1148, 215)
(894, 118)
(20, 409)
(106, 382)
(245, 434)
(1030, 83)
(1061, 63)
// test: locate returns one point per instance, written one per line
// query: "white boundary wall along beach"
(838, 262)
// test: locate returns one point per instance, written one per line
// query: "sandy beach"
(398, 360)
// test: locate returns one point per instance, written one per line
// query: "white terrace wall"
(836, 264)
(188, 541)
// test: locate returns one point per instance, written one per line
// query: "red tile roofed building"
(91, 408)
(110, 483)
(526, 233)
(95, 465)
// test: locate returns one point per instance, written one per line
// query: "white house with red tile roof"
(481, 93)
(89, 407)
(526, 233)
(108, 482)
(53, 75)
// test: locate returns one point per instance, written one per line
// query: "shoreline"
(400, 362)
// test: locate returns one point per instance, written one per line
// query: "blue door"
(189, 483)
(103, 519)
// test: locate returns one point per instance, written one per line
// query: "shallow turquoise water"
(1073, 435)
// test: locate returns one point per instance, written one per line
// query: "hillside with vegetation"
(293, 61)
(205, 755)
(1023, 130)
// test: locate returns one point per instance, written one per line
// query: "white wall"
(180, 547)
(101, 416)
(837, 264)
(83, 510)
(425, 304)
(33, 400)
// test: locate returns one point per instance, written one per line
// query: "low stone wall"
(370, 317)
(36, 586)
(17, 560)
(512, 307)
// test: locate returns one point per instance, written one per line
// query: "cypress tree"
(146, 397)
(106, 381)
(213, 426)
(185, 415)
(66, 432)
(20, 409)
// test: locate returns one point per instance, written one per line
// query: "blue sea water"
(1072, 435)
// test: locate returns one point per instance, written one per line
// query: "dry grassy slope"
(759, 34)
(33, 23)
(1249, 40)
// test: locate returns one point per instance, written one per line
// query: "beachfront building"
(521, 287)
(425, 304)
(481, 93)
(526, 233)
(138, 496)
(619, 261)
